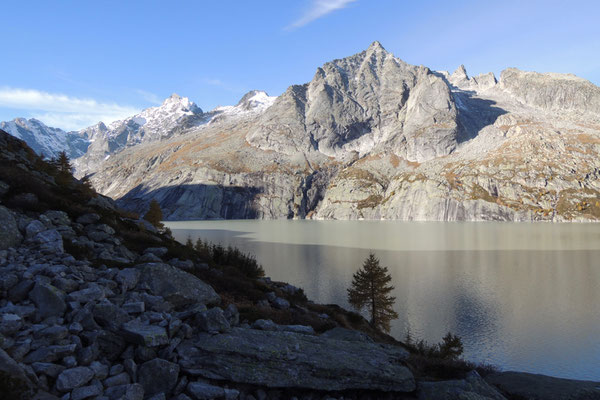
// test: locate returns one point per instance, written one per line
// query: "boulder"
(204, 391)
(9, 231)
(177, 287)
(58, 217)
(87, 219)
(145, 335)
(158, 376)
(49, 300)
(527, 386)
(212, 320)
(86, 392)
(285, 359)
(49, 241)
(73, 378)
(15, 382)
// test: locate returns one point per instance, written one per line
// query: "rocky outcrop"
(287, 359)
(472, 388)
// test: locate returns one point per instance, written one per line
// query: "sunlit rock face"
(371, 137)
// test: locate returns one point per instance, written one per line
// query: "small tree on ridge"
(154, 214)
(371, 289)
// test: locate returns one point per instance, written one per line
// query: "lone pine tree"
(371, 289)
(154, 214)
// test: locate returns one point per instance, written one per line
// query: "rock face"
(372, 137)
(285, 359)
(472, 388)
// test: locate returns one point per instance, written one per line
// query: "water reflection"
(522, 296)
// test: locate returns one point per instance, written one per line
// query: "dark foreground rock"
(471, 388)
(287, 359)
(524, 386)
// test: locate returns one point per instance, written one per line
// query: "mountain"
(373, 137)
(46, 140)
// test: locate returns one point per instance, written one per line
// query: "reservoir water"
(522, 296)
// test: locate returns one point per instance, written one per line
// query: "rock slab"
(286, 359)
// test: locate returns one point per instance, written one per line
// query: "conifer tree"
(154, 214)
(371, 289)
(63, 163)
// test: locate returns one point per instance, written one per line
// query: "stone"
(145, 335)
(286, 359)
(92, 293)
(19, 292)
(158, 376)
(85, 392)
(281, 303)
(128, 278)
(111, 345)
(73, 378)
(212, 320)
(10, 324)
(157, 251)
(149, 258)
(177, 287)
(9, 231)
(49, 369)
(22, 387)
(204, 391)
(232, 314)
(100, 370)
(117, 380)
(8, 281)
(49, 241)
(87, 219)
(131, 368)
(110, 316)
(58, 217)
(49, 300)
(306, 330)
(136, 307)
(265, 325)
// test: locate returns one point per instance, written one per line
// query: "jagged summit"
(254, 99)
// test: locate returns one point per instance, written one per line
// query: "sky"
(73, 63)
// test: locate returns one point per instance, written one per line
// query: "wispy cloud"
(63, 111)
(318, 9)
(149, 96)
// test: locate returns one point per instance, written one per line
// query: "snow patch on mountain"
(45, 140)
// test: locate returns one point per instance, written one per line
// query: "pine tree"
(63, 163)
(154, 214)
(370, 288)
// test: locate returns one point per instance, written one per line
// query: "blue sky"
(73, 63)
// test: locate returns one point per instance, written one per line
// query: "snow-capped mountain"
(46, 140)
(254, 101)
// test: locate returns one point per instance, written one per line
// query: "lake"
(522, 296)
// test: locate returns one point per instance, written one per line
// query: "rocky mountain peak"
(460, 73)
(254, 99)
(176, 102)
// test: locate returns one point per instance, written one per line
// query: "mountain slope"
(373, 137)
(46, 140)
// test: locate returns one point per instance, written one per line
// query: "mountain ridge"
(372, 137)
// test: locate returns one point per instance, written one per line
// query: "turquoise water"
(522, 296)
